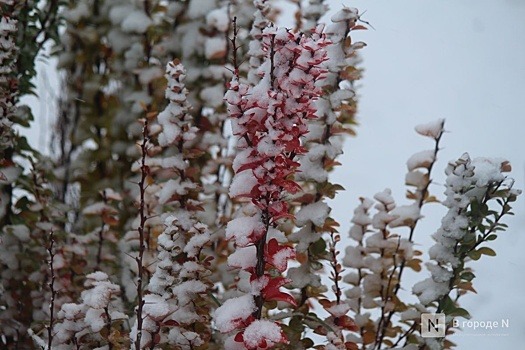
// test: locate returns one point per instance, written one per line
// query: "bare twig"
(143, 218)
(51, 285)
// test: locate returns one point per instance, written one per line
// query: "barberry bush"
(185, 201)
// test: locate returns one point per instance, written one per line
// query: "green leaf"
(318, 248)
(474, 255)
(487, 251)
(467, 276)
(447, 305)
(460, 312)
(491, 237)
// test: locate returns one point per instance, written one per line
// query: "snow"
(353, 258)
(316, 213)
(410, 314)
(219, 19)
(301, 277)
(428, 290)
(147, 75)
(10, 175)
(165, 163)
(231, 344)
(156, 306)
(233, 312)
(345, 14)
(405, 215)
(118, 13)
(187, 290)
(245, 230)
(280, 259)
(215, 48)
(442, 254)
(75, 14)
(421, 159)
(381, 219)
(262, 330)
(488, 170)
(95, 319)
(417, 179)
(311, 170)
(136, 22)
(110, 194)
(70, 311)
(385, 199)
(21, 232)
(213, 95)
(200, 8)
(243, 258)
(196, 242)
(439, 274)
(338, 97)
(98, 209)
(242, 184)
(100, 295)
(339, 310)
(433, 129)
(172, 187)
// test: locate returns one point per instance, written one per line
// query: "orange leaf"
(359, 27)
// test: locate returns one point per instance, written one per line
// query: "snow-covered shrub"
(186, 203)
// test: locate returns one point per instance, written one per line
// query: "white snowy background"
(455, 59)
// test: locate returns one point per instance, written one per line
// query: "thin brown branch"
(51, 285)
(141, 230)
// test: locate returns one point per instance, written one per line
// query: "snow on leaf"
(245, 230)
(433, 129)
(263, 334)
(234, 312)
(421, 159)
(278, 255)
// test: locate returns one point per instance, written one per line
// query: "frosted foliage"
(174, 119)
(410, 314)
(354, 257)
(466, 181)
(417, 179)
(90, 316)
(439, 274)
(187, 290)
(243, 257)
(231, 344)
(215, 48)
(75, 14)
(136, 22)
(487, 170)
(405, 215)
(242, 183)
(433, 129)
(101, 292)
(262, 330)
(316, 213)
(428, 290)
(233, 311)
(421, 159)
(301, 277)
(243, 229)
(219, 19)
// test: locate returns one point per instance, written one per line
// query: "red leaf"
(272, 292)
(278, 255)
(346, 322)
(239, 338)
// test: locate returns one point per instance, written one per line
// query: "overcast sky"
(455, 59)
(463, 61)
